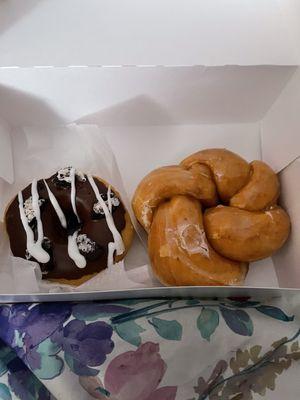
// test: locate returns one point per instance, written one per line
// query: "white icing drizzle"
(56, 207)
(37, 213)
(117, 245)
(35, 249)
(111, 251)
(109, 199)
(27, 255)
(73, 251)
(73, 192)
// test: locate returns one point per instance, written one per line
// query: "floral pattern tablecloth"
(141, 349)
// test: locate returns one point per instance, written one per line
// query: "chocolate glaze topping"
(94, 235)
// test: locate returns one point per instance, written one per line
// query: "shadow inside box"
(19, 108)
(11, 11)
(140, 110)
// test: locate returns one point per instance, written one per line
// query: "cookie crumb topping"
(85, 244)
(28, 209)
(64, 175)
(115, 202)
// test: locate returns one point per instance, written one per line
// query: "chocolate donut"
(74, 225)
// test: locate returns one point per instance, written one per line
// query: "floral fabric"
(143, 349)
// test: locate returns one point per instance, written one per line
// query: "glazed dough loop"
(241, 221)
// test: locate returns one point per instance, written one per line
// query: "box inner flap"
(140, 96)
(281, 126)
(286, 261)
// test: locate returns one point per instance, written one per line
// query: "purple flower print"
(86, 345)
(4, 315)
(23, 383)
(136, 375)
(30, 332)
(12, 319)
(38, 335)
(43, 321)
(35, 324)
(18, 314)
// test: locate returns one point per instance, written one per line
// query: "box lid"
(139, 32)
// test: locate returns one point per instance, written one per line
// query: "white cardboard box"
(156, 115)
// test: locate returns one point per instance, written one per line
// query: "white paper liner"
(39, 153)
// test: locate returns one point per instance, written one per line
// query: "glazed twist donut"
(241, 221)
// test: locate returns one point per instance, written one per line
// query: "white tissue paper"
(38, 153)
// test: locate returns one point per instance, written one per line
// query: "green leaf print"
(51, 364)
(207, 322)
(103, 391)
(6, 355)
(130, 332)
(78, 368)
(4, 392)
(274, 312)
(238, 321)
(170, 330)
(192, 302)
